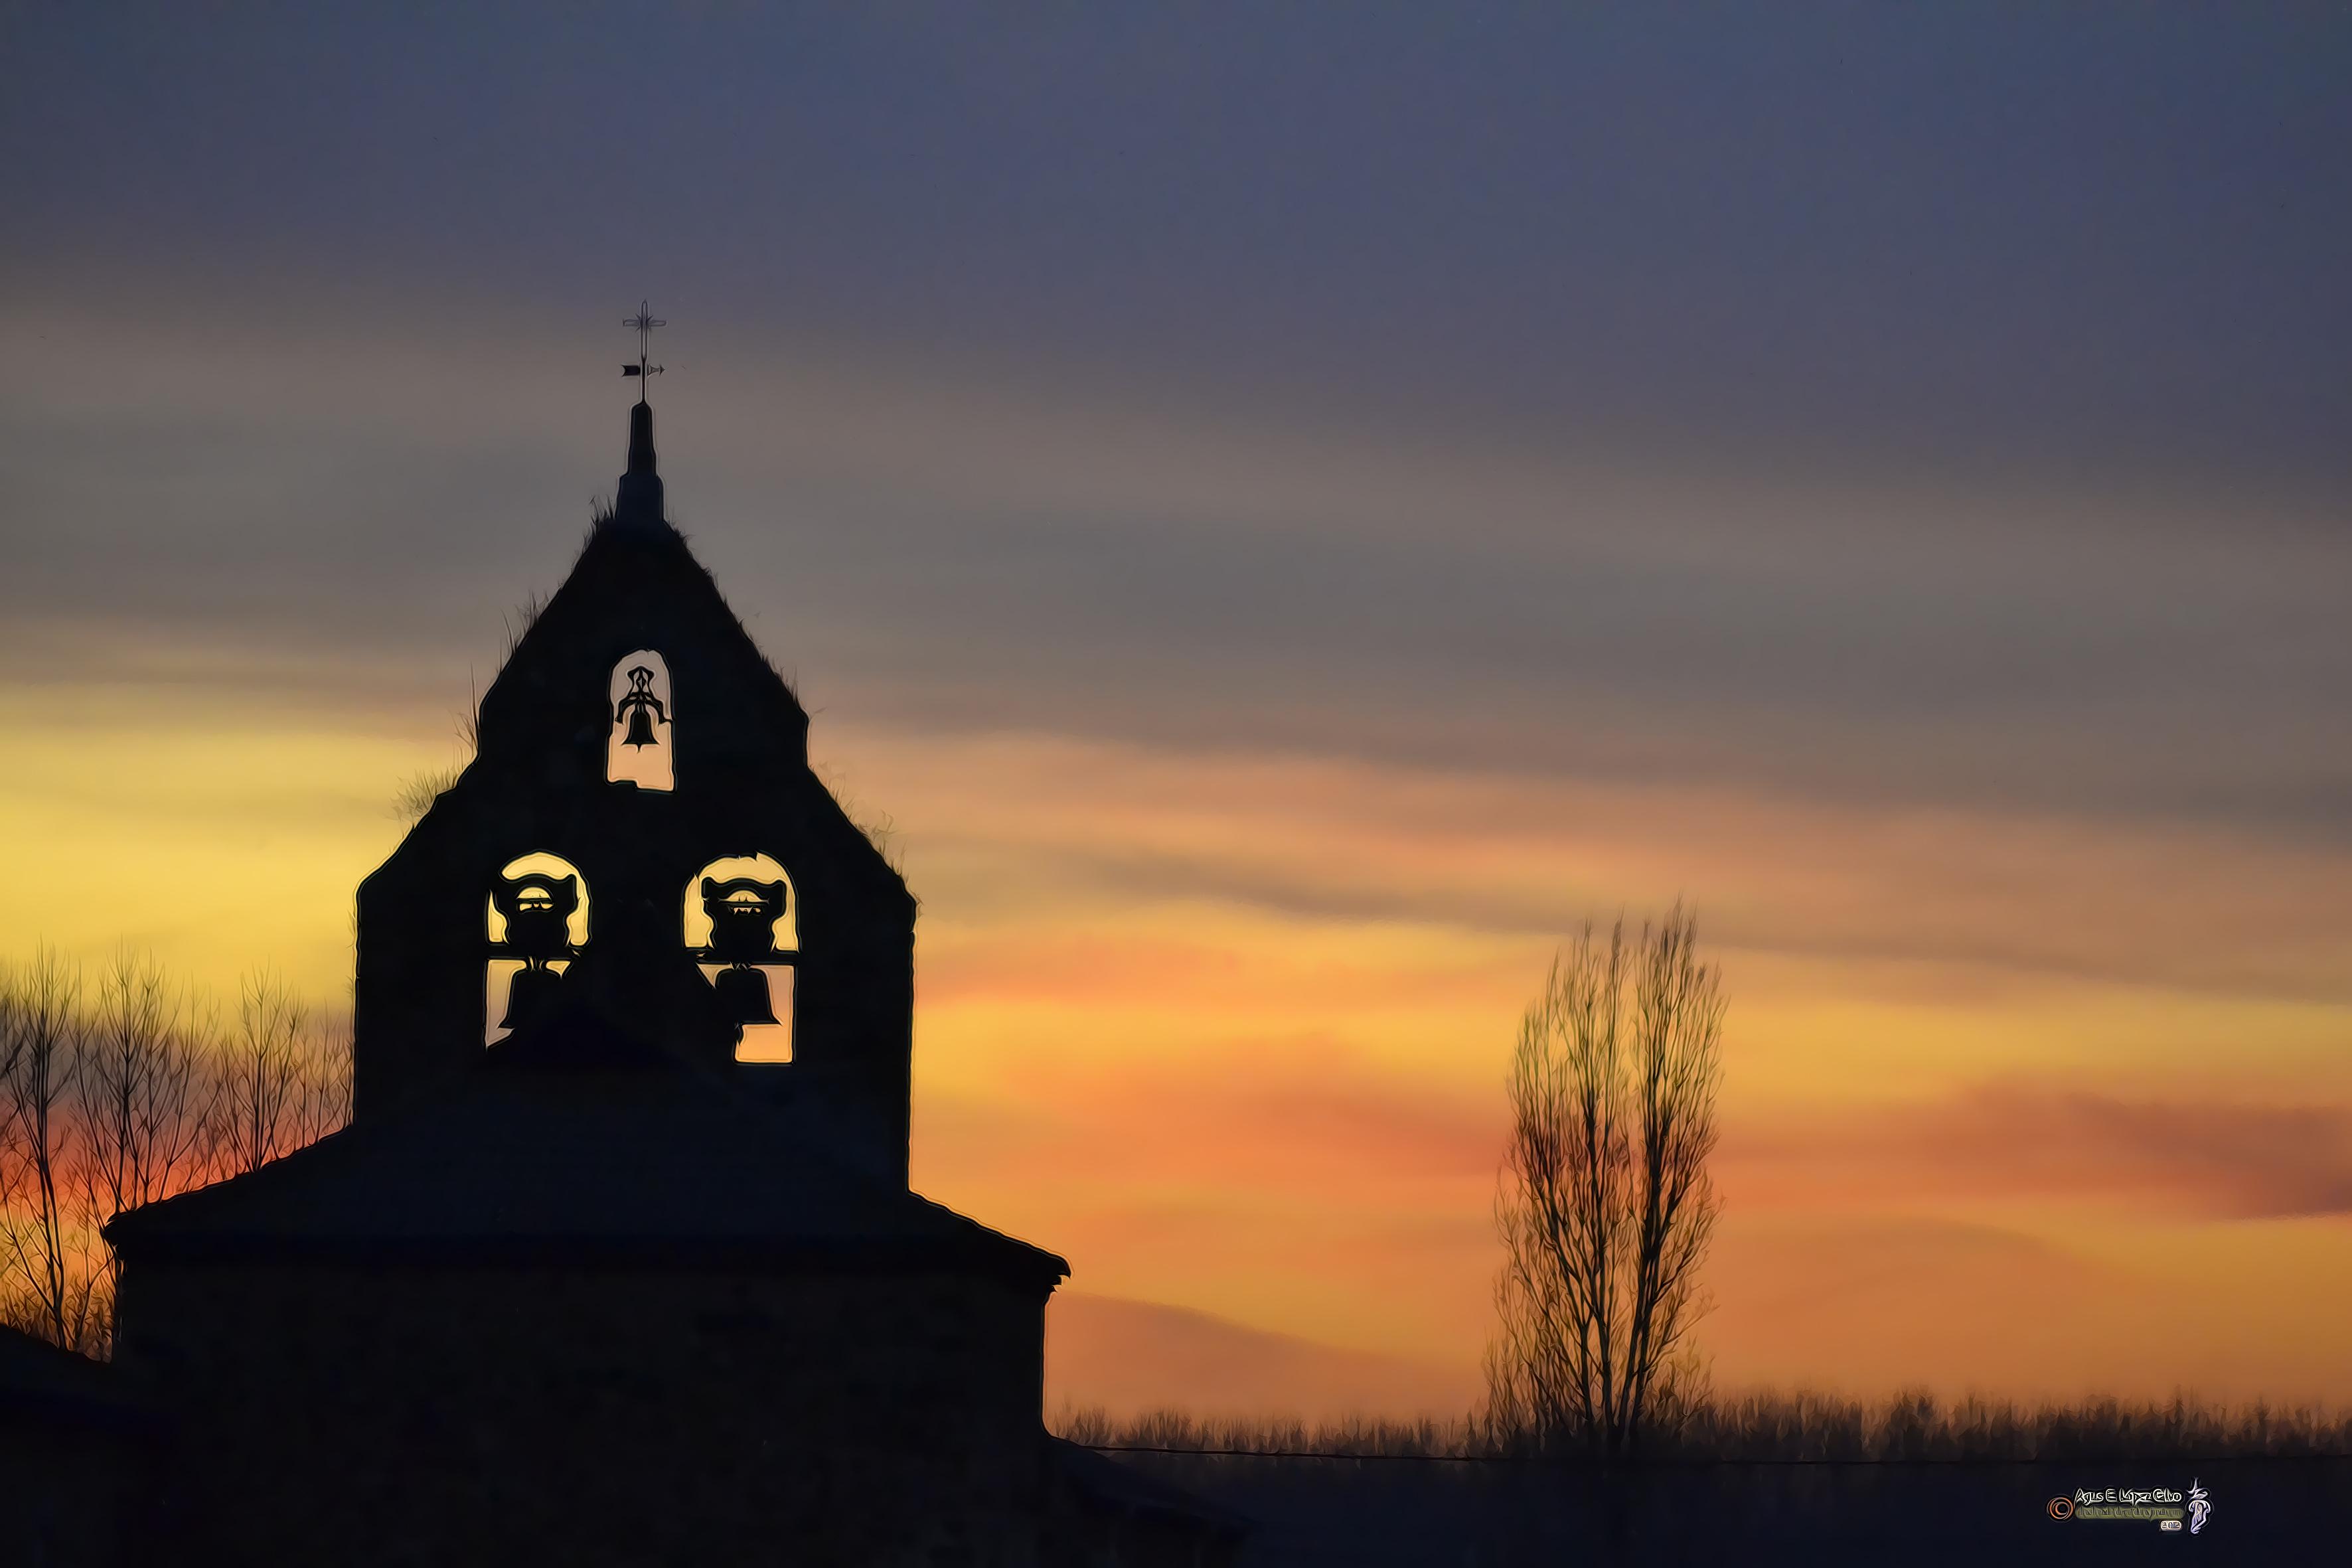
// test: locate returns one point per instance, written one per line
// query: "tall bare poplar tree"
(1605, 1204)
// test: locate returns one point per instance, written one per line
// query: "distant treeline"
(1798, 1477)
(1799, 1426)
(124, 1086)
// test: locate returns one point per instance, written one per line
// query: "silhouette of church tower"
(638, 653)
(590, 1278)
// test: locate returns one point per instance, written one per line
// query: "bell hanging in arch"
(743, 995)
(641, 708)
(527, 992)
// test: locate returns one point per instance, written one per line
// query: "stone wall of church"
(415, 1416)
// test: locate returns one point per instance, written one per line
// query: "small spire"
(640, 496)
(641, 439)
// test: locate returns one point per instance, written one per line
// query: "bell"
(527, 992)
(743, 993)
(641, 729)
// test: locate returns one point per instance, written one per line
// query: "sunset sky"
(1287, 511)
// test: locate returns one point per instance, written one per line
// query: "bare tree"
(146, 1092)
(259, 1109)
(121, 1095)
(1605, 1204)
(285, 1078)
(323, 1102)
(48, 1268)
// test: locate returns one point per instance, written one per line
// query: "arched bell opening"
(742, 926)
(638, 744)
(537, 922)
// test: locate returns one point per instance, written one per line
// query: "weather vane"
(645, 323)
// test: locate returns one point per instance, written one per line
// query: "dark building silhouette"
(75, 1446)
(617, 1262)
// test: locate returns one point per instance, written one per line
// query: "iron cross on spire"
(645, 323)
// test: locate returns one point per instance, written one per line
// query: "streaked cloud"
(2144, 1146)
(1177, 579)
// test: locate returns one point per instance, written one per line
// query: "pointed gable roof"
(540, 783)
(637, 585)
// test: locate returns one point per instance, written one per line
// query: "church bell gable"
(738, 922)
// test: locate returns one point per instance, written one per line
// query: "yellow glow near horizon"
(244, 837)
(1264, 1004)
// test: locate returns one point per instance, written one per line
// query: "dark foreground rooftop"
(576, 1143)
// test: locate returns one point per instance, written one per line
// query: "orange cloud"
(2010, 1139)
(1519, 856)
(1289, 1114)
